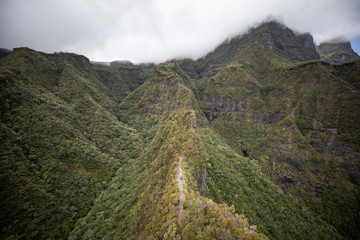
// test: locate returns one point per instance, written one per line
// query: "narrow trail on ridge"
(181, 196)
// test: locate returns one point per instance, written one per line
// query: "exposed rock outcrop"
(307, 41)
(283, 42)
(337, 52)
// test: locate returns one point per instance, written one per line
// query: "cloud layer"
(157, 30)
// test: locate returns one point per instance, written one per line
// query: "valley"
(259, 139)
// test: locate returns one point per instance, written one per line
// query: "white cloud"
(156, 30)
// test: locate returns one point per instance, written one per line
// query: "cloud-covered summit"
(156, 30)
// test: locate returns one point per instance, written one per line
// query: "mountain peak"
(268, 36)
(336, 52)
(243, 142)
(282, 41)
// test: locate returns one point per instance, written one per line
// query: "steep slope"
(268, 43)
(168, 178)
(307, 41)
(259, 139)
(349, 72)
(299, 120)
(181, 185)
(61, 142)
(122, 78)
(336, 52)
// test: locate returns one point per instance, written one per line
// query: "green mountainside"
(259, 139)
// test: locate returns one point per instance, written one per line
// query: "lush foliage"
(60, 142)
(150, 209)
(256, 140)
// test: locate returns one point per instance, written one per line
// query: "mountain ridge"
(262, 131)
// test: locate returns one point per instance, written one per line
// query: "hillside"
(259, 139)
(61, 142)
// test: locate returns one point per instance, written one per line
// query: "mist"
(157, 30)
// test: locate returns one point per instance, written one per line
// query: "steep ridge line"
(181, 196)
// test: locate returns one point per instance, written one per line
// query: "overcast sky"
(157, 30)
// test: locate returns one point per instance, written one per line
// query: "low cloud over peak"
(156, 30)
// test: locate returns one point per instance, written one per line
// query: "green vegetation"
(254, 141)
(60, 142)
(239, 181)
(149, 207)
(292, 121)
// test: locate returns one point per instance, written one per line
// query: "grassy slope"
(349, 72)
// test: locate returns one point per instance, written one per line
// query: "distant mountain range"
(259, 139)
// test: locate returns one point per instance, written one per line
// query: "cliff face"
(299, 117)
(270, 36)
(259, 139)
(337, 52)
(307, 41)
